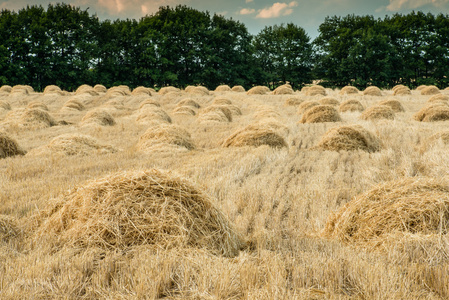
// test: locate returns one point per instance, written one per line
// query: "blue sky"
(255, 14)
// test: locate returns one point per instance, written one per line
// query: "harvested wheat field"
(218, 193)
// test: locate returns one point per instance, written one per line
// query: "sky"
(255, 14)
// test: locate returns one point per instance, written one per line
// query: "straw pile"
(293, 101)
(99, 88)
(52, 89)
(349, 90)
(266, 112)
(149, 102)
(378, 112)
(35, 117)
(255, 135)
(21, 90)
(238, 89)
(165, 136)
(4, 105)
(315, 90)
(329, 101)
(283, 90)
(9, 146)
(306, 105)
(37, 104)
(395, 105)
(98, 116)
(349, 138)
(184, 110)
(372, 91)
(216, 116)
(221, 101)
(399, 86)
(141, 90)
(86, 89)
(320, 114)
(422, 86)
(401, 90)
(188, 102)
(74, 103)
(235, 110)
(218, 108)
(438, 98)
(410, 205)
(351, 105)
(118, 91)
(151, 113)
(6, 89)
(436, 111)
(223, 88)
(132, 208)
(258, 90)
(430, 90)
(73, 144)
(196, 90)
(9, 228)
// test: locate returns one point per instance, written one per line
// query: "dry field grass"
(120, 194)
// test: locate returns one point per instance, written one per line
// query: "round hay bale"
(395, 105)
(213, 117)
(37, 104)
(351, 105)
(320, 114)
(165, 135)
(258, 90)
(99, 88)
(238, 89)
(52, 89)
(329, 101)
(21, 90)
(5, 105)
(410, 205)
(74, 104)
(283, 90)
(141, 90)
(266, 112)
(151, 113)
(377, 112)
(73, 144)
(402, 91)
(9, 228)
(168, 89)
(223, 88)
(98, 116)
(255, 135)
(221, 101)
(372, 91)
(315, 90)
(36, 117)
(293, 101)
(235, 110)
(132, 208)
(438, 98)
(118, 91)
(213, 108)
(349, 138)
(149, 102)
(9, 146)
(422, 86)
(433, 112)
(6, 89)
(184, 110)
(399, 86)
(86, 89)
(188, 102)
(306, 105)
(349, 90)
(430, 90)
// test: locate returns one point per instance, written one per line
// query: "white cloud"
(247, 11)
(396, 5)
(276, 10)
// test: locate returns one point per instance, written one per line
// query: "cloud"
(276, 10)
(397, 5)
(247, 11)
(129, 8)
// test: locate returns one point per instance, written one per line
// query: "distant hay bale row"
(164, 136)
(349, 138)
(9, 146)
(319, 114)
(141, 90)
(132, 208)
(255, 135)
(378, 112)
(432, 112)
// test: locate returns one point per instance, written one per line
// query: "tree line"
(180, 46)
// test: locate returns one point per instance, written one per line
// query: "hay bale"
(9, 228)
(306, 105)
(402, 91)
(258, 90)
(351, 105)
(212, 117)
(184, 110)
(293, 101)
(188, 102)
(165, 135)
(430, 90)
(283, 90)
(221, 101)
(399, 86)
(422, 86)
(74, 104)
(438, 98)
(141, 90)
(9, 146)
(223, 88)
(19, 90)
(86, 89)
(238, 89)
(118, 91)
(5, 89)
(255, 135)
(99, 88)
(149, 102)
(378, 112)
(409, 205)
(433, 112)
(315, 90)
(266, 112)
(349, 90)
(349, 138)
(320, 114)
(52, 89)
(37, 104)
(73, 144)
(235, 110)
(197, 90)
(98, 116)
(4, 105)
(372, 91)
(214, 108)
(132, 208)
(329, 101)
(35, 117)
(395, 105)
(152, 113)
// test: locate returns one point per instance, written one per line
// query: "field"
(269, 172)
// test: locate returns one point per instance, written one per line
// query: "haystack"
(52, 89)
(430, 90)
(164, 135)
(149, 102)
(197, 90)
(378, 112)
(351, 105)
(223, 88)
(6, 89)
(283, 90)
(349, 90)
(132, 208)
(372, 91)
(20, 90)
(212, 117)
(9, 228)
(293, 101)
(151, 113)
(410, 205)
(184, 110)
(329, 101)
(306, 105)
(86, 89)
(118, 91)
(266, 112)
(99, 88)
(73, 144)
(258, 90)
(255, 135)
(399, 86)
(36, 117)
(4, 105)
(98, 116)
(9, 146)
(402, 91)
(320, 114)
(188, 102)
(37, 104)
(349, 138)
(433, 112)
(221, 101)
(141, 90)
(315, 90)
(438, 98)
(238, 89)
(420, 87)
(215, 108)
(74, 103)
(395, 104)
(235, 110)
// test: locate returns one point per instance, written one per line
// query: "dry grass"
(349, 138)
(9, 229)
(378, 112)
(306, 105)
(9, 146)
(238, 89)
(320, 114)
(433, 112)
(430, 90)
(395, 104)
(349, 90)
(372, 91)
(329, 101)
(223, 88)
(98, 116)
(255, 135)
(351, 105)
(163, 135)
(258, 90)
(441, 137)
